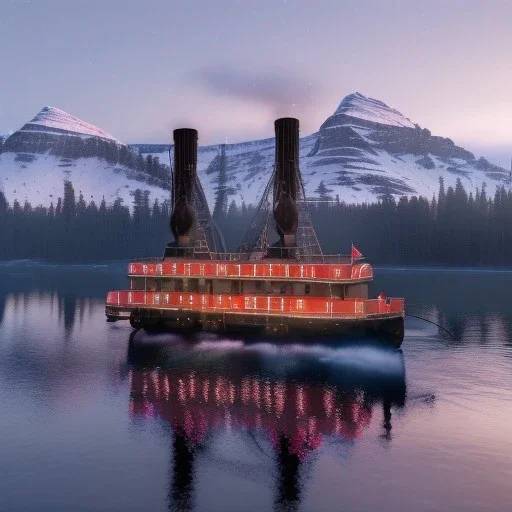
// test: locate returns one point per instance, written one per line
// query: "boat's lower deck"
(271, 315)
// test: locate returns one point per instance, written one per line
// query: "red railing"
(262, 304)
(200, 254)
(282, 271)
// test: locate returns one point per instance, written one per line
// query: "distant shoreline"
(444, 268)
(377, 267)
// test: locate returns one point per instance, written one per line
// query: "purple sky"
(137, 69)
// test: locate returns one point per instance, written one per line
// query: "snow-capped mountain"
(56, 146)
(368, 109)
(364, 151)
(54, 120)
(367, 150)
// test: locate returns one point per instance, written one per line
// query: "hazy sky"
(137, 69)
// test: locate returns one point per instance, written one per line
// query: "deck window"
(137, 283)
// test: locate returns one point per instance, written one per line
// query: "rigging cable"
(433, 323)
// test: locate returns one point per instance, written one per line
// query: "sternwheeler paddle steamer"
(278, 282)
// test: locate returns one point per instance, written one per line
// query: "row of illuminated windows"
(240, 287)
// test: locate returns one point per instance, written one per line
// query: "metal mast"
(283, 211)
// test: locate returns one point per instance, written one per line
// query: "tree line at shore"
(453, 228)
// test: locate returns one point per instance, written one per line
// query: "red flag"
(355, 253)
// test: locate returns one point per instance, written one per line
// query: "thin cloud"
(282, 93)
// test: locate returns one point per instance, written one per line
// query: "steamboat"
(278, 282)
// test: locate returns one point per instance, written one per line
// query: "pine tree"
(68, 205)
(220, 209)
(149, 166)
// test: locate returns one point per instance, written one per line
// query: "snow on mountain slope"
(362, 153)
(249, 166)
(56, 146)
(369, 109)
(53, 119)
(41, 181)
(363, 160)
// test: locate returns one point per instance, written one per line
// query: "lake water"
(95, 418)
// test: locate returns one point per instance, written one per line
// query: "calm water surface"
(94, 418)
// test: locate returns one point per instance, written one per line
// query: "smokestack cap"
(184, 133)
(287, 121)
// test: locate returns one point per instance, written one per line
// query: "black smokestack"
(185, 169)
(286, 179)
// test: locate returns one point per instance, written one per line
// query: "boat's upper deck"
(337, 269)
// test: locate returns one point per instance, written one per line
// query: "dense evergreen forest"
(453, 228)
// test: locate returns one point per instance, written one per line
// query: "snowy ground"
(42, 181)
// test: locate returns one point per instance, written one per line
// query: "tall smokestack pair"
(286, 182)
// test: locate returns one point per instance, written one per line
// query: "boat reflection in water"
(293, 398)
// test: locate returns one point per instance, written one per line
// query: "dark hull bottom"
(385, 328)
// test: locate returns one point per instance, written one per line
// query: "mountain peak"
(53, 117)
(369, 109)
